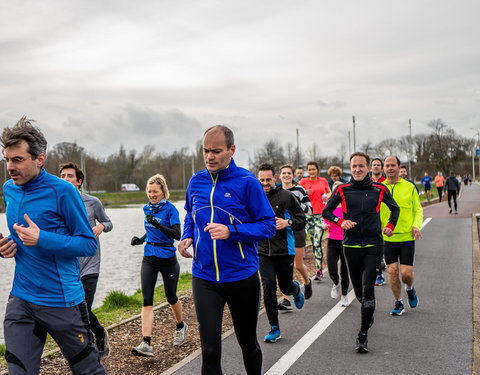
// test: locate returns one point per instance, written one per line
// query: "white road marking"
(290, 357)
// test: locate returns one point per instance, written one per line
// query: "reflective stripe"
(211, 221)
(239, 244)
(198, 238)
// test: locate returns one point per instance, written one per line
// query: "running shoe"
(412, 298)
(180, 335)
(362, 341)
(103, 345)
(308, 290)
(285, 305)
(318, 275)
(380, 280)
(143, 350)
(298, 299)
(273, 335)
(456, 213)
(450, 211)
(344, 301)
(335, 292)
(399, 309)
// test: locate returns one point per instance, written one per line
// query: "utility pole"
(297, 162)
(410, 148)
(354, 140)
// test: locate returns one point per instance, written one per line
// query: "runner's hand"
(29, 235)
(98, 229)
(416, 233)
(8, 248)
(136, 241)
(348, 224)
(281, 223)
(387, 231)
(217, 231)
(183, 245)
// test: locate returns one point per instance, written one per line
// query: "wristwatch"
(290, 222)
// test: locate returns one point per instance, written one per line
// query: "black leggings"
(271, 269)
(90, 286)
(243, 299)
(335, 253)
(452, 194)
(440, 192)
(170, 270)
(363, 266)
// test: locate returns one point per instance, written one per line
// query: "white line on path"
(290, 357)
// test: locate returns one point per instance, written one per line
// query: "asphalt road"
(434, 338)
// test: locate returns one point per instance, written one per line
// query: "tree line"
(439, 150)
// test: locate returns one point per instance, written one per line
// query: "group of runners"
(242, 232)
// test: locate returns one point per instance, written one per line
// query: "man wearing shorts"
(49, 230)
(400, 247)
(426, 182)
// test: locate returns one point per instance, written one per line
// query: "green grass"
(2, 349)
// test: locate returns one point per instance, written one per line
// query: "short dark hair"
(380, 160)
(78, 172)
(227, 132)
(314, 163)
(267, 167)
(396, 157)
(23, 130)
(403, 166)
(361, 154)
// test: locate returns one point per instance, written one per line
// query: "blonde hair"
(334, 171)
(159, 180)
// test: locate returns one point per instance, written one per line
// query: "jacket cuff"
(390, 226)
(339, 222)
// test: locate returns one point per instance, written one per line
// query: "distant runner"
(453, 189)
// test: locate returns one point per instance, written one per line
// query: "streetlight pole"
(477, 133)
(354, 140)
(349, 144)
(410, 148)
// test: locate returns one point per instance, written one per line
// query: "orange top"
(319, 187)
(439, 180)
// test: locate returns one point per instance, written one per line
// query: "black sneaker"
(362, 341)
(308, 290)
(285, 305)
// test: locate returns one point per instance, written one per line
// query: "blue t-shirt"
(426, 180)
(167, 216)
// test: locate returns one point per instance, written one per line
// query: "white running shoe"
(180, 335)
(335, 292)
(344, 301)
(143, 350)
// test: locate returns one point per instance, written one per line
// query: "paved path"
(435, 338)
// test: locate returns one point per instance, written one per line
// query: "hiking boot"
(103, 346)
(298, 299)
(361, 343)
(399, 309)
(412, 298)
(143, 350)
(180, 335)
(273, 335)
(285, 305)
(308, 290)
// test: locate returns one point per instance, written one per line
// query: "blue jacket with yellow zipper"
(233, 197)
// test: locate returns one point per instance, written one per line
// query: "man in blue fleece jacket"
(227, 213)
(49, 230)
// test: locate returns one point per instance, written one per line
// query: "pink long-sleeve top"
(335, 232)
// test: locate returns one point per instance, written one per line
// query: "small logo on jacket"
(227, 195)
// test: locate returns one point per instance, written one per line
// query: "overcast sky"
(112, 72)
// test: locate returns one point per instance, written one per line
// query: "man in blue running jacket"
(227, 214)
(49, 230)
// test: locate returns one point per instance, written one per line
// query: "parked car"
(130, 187)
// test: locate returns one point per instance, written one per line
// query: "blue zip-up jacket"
(233, 197)
(48, 274)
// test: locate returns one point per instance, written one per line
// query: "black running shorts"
(403, 251)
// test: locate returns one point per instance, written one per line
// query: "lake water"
(120, 267)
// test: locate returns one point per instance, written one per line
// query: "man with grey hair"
(49, 230)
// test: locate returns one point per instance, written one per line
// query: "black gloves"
(150, 218)
(137, 241)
